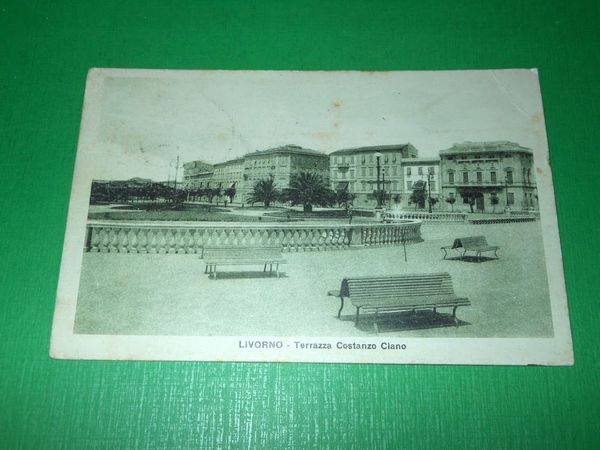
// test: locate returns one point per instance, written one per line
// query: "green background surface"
(46, 48)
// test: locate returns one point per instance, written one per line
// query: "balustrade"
(392, 216)
(116, 237)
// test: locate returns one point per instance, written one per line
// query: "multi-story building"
(421, 174)
(355, 169)
(281, 164)
(495, 175)
(196, 174)
(228, 174)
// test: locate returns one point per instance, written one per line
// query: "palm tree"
(308, 189)
(264, 191)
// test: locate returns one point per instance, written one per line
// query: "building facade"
(356, 170)
(421, 174)
(196, 174)
(280, 164)
(489, 176)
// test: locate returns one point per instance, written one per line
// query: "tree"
(211, 193)
(344, 198)
(470, 196)
(264, 191)
(308, 189)
(451, 201)
(494, 200)
(418, 198)
(432, 201)
(418, 194)
(230, 192)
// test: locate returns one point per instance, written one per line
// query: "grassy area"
(170, 212)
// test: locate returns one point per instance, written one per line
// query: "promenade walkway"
(170, 294)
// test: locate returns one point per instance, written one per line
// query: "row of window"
(350, 159)
(409, 185)
(430, 171)
(479, 177)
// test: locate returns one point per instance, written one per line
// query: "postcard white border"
(65, 344)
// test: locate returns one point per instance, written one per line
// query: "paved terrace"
(170, 294)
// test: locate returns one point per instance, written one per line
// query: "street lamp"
(429, 176)
(382, 195)
(506, 189)
(378, 158)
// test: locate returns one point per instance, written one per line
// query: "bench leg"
(341, 307)
(496, 254)
(277, 270)
(356, 320)
(454, 316)
(445, 253)
(270, 268)
(375, 325)
(206, 269)
(265, 268)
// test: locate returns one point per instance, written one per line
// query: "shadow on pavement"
(230, 275)
(472, 259)
(404, 321)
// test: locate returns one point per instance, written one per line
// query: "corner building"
(498, 174)
(355, 169)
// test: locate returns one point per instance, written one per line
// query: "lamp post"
(378, 159)
(506, 190)
(429, 176)
(382, 195)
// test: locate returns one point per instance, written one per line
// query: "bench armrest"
(335, 293)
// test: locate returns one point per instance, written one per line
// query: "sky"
(144, 119)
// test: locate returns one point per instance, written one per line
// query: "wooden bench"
(400, 293)
(242, 256)
(477, 244)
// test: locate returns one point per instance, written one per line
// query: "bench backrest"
(247, 252)
(473, 242)
(372, 290)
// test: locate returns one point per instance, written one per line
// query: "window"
(420, 171)
(510, 198)
(387, 157)
(394, 157)
(431, 171)
(408, 185)
(479, 177)
(432, 185)
(351, 174)
(364, 185)
(509, 177)
(493, 177)
(364, 159)
(363, 171)
(466, 177)
(371, 159)
(408, 171)
(450, 177)
(451, 195)
(370, 171)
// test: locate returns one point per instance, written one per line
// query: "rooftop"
(286, 149)
(420, 160)
(485, 147)
(373, 148)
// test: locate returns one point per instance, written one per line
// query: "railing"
(526, 213)
(502, 219)
(175, 238)
(392, 216)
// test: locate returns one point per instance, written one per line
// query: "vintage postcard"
(362, 217)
